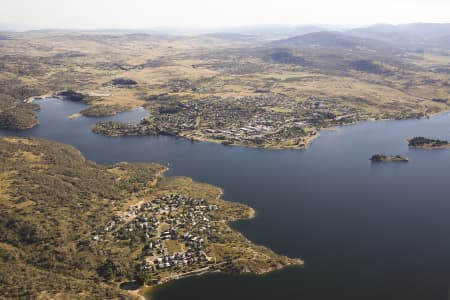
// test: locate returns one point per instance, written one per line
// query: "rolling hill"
(406, 35)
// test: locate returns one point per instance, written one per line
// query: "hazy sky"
(212, 13)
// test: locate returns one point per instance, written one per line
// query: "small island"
(426, 143)
(388, 158)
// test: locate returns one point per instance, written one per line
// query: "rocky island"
(388, 158)
(426, 143)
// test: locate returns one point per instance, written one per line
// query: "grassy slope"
(52, 200)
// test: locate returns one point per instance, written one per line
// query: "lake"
(365, 231)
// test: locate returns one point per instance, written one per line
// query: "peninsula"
(265, 92)
(79, 230)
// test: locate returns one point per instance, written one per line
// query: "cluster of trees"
(164, 97)
(286, 57)
(102, 110)
(55, 201)
(124, 81)
(22, 116)
(73, 96)
(422, 141)
(14, 114)
(170, 109)
(368, 66)
(383, 157)
(144, 277)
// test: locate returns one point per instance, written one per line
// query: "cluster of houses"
(177, 260)
(263, 119)
(112, 128)
(269, 117)
(176, 219)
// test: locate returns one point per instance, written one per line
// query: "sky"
(133, 14)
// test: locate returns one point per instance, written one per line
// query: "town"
(175, 231)
(175, 234)
(265, 121)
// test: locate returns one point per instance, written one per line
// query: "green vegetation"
(55, 207)
(99, 110)
(368, 66)
(20, 116)
(144, 277)
(372, 79)
(71, 95)
(388, 158)
(421, 142)
(286, 57)
(51, 201)
(123, 81)
(15, 114)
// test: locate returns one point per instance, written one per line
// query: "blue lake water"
(366, 231)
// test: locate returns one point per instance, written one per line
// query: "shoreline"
(145, 290)
(429, 144)
(304, 145)
(430, 147)
(213, 269)
(75, 116)
(43, 97)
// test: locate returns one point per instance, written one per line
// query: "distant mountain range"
(412, 36)
(407, 35)
(330, 39)
(412, 32)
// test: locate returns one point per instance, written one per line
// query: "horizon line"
(20, 28)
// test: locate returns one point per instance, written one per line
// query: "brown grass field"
(44, 62)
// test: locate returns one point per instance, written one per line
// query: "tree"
(108, 270)
(144, 277)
